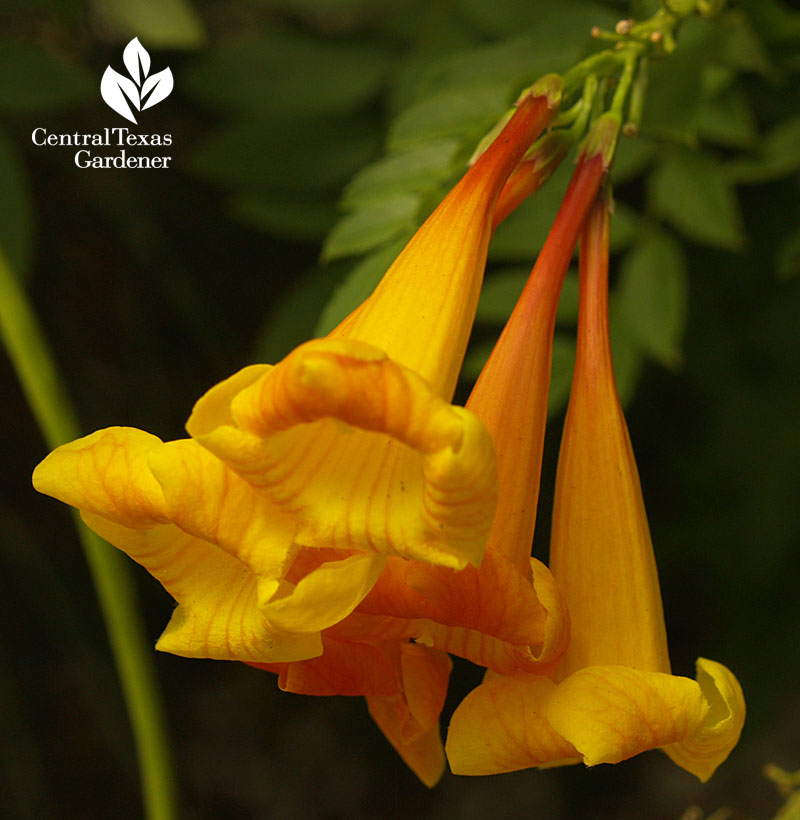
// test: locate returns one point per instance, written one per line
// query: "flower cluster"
(336, 520)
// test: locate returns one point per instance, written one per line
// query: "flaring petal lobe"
(363, 454)
(501, 727)
(218, 614)
(325, 596)
(611, 713)
(106, 473)
(706, 749)
(207, 499)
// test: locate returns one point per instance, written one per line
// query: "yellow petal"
(611, 713)
(213, 408)
(218, 614)
(106, 473)
(363, 454)
(410, 720)
(706, 749)
(207, 499)
(325, 596)
(500, 727)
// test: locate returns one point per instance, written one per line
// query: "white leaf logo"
(142, 91)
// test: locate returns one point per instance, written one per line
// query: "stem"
(47, 398)
(634, 42)
(625, 81)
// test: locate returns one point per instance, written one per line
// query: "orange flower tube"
(613, 695)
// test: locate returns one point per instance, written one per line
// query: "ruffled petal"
(611, 713)
(218, 614)
(501, 727)
(213, 408)
(362, 453)
(410, 719)
(106, 473)
(491, 616)
(706, 749)
(602, 714)
(325, 596)
(207, 499)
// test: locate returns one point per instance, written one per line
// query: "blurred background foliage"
(310, 139)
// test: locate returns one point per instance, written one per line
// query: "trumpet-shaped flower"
(506, 614)
(613, 694)
(347, 447)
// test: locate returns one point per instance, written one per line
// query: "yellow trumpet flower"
(613, 694)
(506, 614)
(348, 447)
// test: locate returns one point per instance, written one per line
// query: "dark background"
(153, 285)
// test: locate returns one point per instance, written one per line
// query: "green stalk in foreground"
(54, 414)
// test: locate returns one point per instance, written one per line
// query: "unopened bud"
(550, 86)
(602, 139)
(624, 26)
(536, 167)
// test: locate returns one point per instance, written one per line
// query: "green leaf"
(624, 225)
(371, 226)
(776, 21)
(651, 296)
(161, 23)
(727, 119)
(626, 354)
(36, 79)
(520, 237)
(502, 289)
(466, 114)
(633, 155)
(357, 286)
(284, 74)
(476, 357)
(780, 155)
(674, 90)
(741, 47)
(16, 216)
(692, 191)
(411, 172)
(563, 29)
(499, 294)
(512, 63)
(568, 302)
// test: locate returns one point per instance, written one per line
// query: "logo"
(143, 89)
